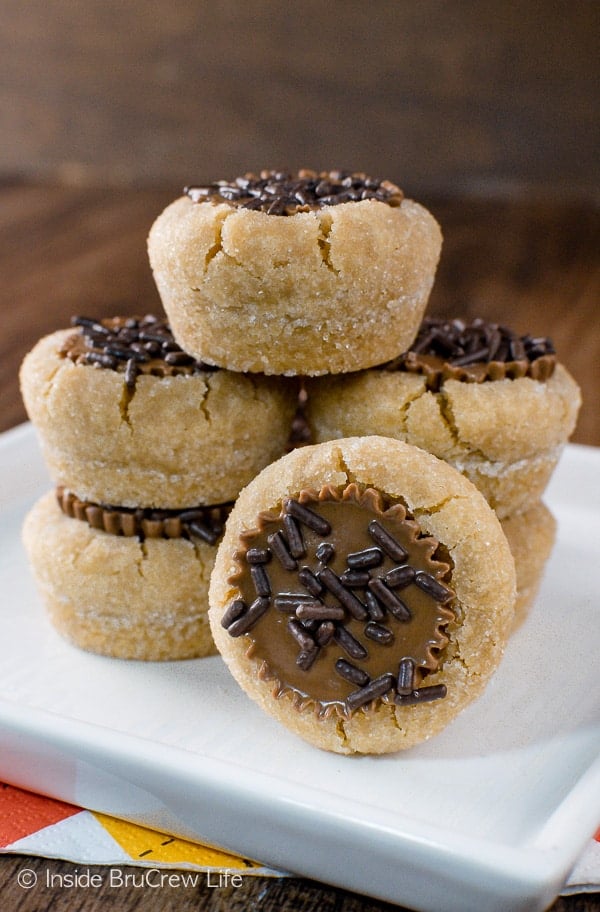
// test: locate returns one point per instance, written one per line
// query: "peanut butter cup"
(362, 593)
(474, 352)
(320, 626)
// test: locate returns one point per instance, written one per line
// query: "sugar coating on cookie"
(126, 417)
(495, 405)
(530, 535)
(362, 594)
(130, 584)
(295, 274)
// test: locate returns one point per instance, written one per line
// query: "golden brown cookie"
(304, 274)
(136, 591)
(362, 594)
(530, 535)
(502, 419)
(125, 417)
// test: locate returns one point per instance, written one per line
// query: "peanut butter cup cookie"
(126, 417)
(308, 273)
(132, 584)
(362, 594)
(495, 405)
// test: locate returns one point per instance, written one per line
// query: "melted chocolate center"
(343, 601)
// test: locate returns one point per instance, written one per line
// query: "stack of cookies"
(365, 589)
(149, 448)
(365, 585)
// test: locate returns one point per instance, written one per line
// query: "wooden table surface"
(532, 265)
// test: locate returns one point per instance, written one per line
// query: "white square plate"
(491, 814)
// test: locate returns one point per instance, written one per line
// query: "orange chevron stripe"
(23, 813)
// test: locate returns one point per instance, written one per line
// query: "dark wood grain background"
(468, 96)
(486, 112)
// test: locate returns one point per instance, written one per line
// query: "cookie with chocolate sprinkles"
(290, 274)
(392, 615)
(126, 417)
(496, 405)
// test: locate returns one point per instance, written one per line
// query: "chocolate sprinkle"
(246, 621)
(260, 580)
(325, 552)
(432, 587)
(360, 560)
(300, 634)
(376, 612)
(378, 633)
(349, 644)
(317, 611)
(375, 688)
(400, 577)
(290, 601)
(258, 556)
(233, 612)
(347, 598)
(283, 193)
(387, 542)
(131, 372)
(355, 579)
(201, 530)
(391, 601)
(325, 633)
(308, 579)
(280, 550)
(422, 695)
(307, 516)
(351, 673)
(406, 676)
(306, 658)
(294, 536)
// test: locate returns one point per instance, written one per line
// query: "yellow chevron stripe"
(142, 844)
